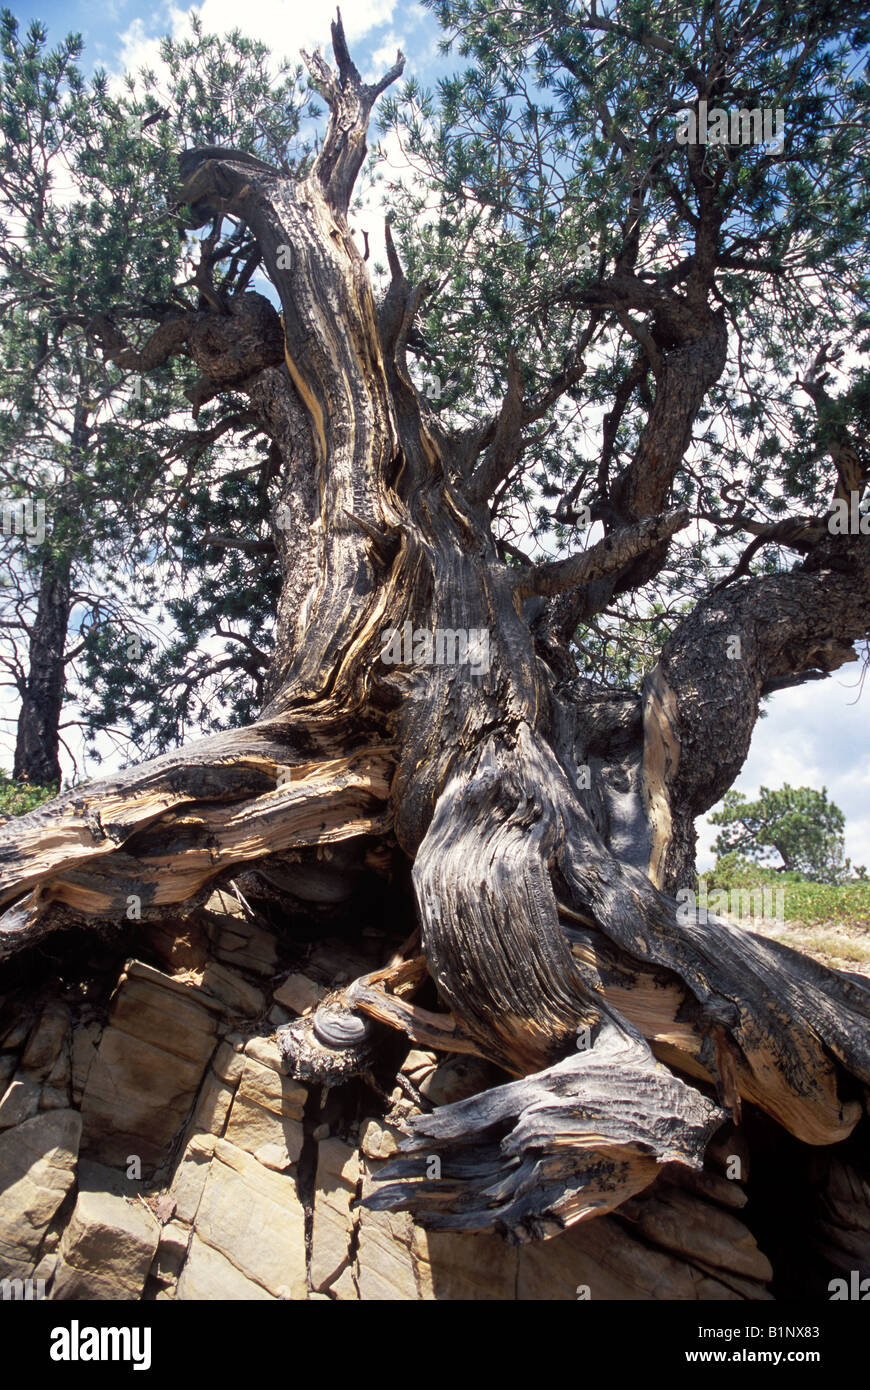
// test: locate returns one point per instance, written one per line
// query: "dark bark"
(37, 742)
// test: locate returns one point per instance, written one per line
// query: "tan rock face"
(20, 1101)
(37, 1170)
(266, 1114)
(299, 994)
(109, 1243)
(238, 942)
(271, 1090)
(190, 1175)
(338, 1175)
(275, 1139)
(213, 1105)
(456, 1078)
(265, 1051)
(254, 1218)
(210, 1275)
(229, 1061)
(85, 1041)
(148, 1069)
(377, 1140)
(45, 1041)
(237, 993)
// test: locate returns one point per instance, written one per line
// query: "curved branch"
(606, 557)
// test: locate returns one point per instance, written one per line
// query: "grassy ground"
(830, 922)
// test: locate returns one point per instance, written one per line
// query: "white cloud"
(285, 25)
(383, 57)
(815, 735)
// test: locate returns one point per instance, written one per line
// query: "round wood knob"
(338, 1028)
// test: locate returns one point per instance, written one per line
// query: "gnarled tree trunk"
(545, 897)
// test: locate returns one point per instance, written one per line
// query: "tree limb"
(607, 557)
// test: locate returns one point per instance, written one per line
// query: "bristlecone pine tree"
(548, 819)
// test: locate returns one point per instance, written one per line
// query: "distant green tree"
(799, 824)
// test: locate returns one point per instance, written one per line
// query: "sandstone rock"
(56, 1093)
(109, 1241)
(162, 1010)
(385, 1268)
(54, 1098)
(678, 1221)
(8, 1068)
(334, 962)
(213, 1105)
(255, 1219)
(180, 944)
(209, 1275)
(265, 1051)
(72, 1285)
(37, 1169)
(85, 1040)
(456, 1078)
(45, 1041)
(190, 1175)
(137, 1098)
(171, 1252)
(276, 1139)
(20, 1101)
(707, 1185)
(299, 993)
(344, 1288)
(224, 903)
(60, 1075)
(229, 1061)
(338, 1162)
(377, 1141)
(601, 1256)
(275, 1156)
(148, 1069)
(44, 1271)
(338, 1171)
(233, 990)
(271, 1089)
(241, 943)
(451, 1265)
(418, 1064)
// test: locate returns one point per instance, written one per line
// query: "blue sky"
(815, 735)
